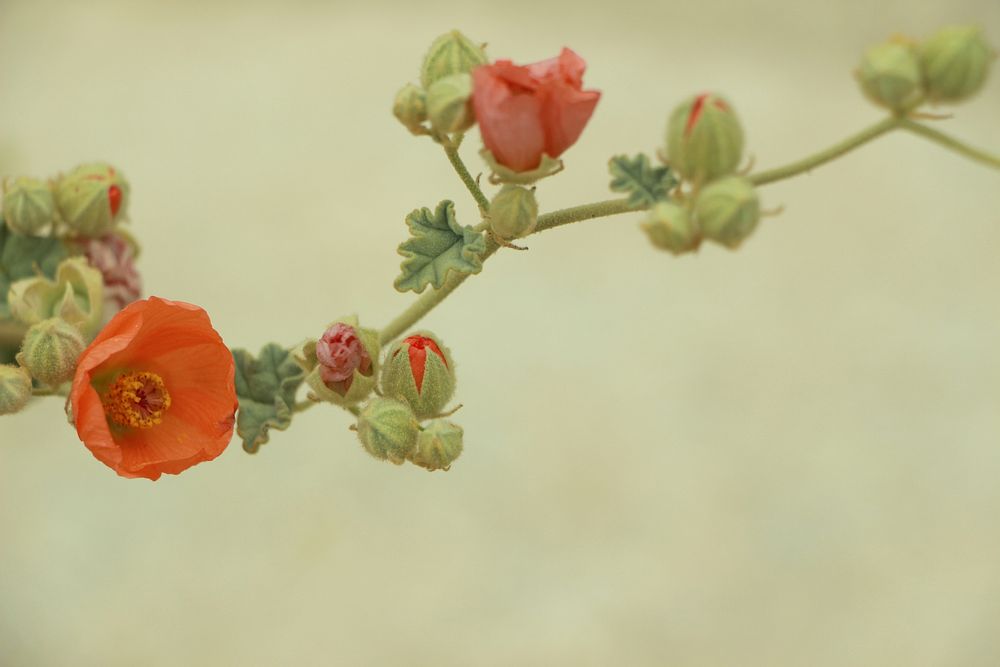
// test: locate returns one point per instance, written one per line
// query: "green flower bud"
(410, 108)
(50, 350)
(955, 62)
(92, 198)
(890, 76)
(727, 210)
(76, 296)
(388, 429)
(438, 445)
(342, 366)
(28, 205)
(704, 138)
(15, 389)
(420, 371)
(669, 227)
(451, 53)
(449, 104)
(513, 212)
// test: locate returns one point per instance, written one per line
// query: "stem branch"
(451, 150)
(950, 143)
(831, 153)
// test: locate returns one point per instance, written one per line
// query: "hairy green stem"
(950, 143)
(451, 150)
(427, 301)
(831, 153)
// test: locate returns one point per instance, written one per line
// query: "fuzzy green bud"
(76, 296)
(388, 429)
(449, 104)
(890, 76)
(438, 445)
(420, 371)
(727, 210)
(513, 212)
(451, 53)
(28, 205)
(704, 138)
(956, 62)
(670, 227)
(92, 198)
(15, 389)
(50, 350)
(410, 108)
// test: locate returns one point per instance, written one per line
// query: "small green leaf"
(266, 388)
(19, 255)
(437, 246)
(644, 183)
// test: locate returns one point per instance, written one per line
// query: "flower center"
(137, 400)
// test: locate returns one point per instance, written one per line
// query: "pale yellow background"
(788, 455)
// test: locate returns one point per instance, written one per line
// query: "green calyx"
(890, 76)
(451, 53)
(956, 62)
(420, 371)
(670, 227)
(704, 138)
(727, 210)
(92, 198)
(28, 205)
(15, 389)
(388, 429)
(76, 295)
(513, 212)
(50, 350)
(449, 104)
(548, 166)
(438, 445)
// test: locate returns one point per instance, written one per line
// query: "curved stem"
(831, 153)
(951, 143)
(425, 303)
(451, 150)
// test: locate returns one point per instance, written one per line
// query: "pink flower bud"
(114, 257)
(339, 353)
(527, 111)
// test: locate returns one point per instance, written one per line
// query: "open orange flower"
(154, 393)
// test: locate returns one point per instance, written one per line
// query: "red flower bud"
(418, 357)
(527, 111)
(339, 353)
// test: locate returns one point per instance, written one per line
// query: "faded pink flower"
(114, 258)
(525, 111)
(339, 353)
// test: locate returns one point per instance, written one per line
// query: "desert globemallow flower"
(525, 112)
(155, 392)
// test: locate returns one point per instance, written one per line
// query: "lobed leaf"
(266, 387)
(437, 246)
(644, 183)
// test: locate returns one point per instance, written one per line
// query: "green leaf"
(19, 255)
(644, 183)
(266, 388)
(437, 246)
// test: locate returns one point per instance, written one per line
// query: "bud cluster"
(704, 146)
(949, 67)
(444, 97)
(399, 397)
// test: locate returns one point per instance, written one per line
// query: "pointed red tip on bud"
(418, 356)
(115, 198)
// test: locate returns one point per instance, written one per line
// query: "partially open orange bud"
(704, 138)
(92, 198)
(420, 371)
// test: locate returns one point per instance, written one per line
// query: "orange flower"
(154, 393)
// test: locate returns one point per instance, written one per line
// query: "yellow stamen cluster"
(137, 400)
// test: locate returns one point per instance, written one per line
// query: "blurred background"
(786, 455)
